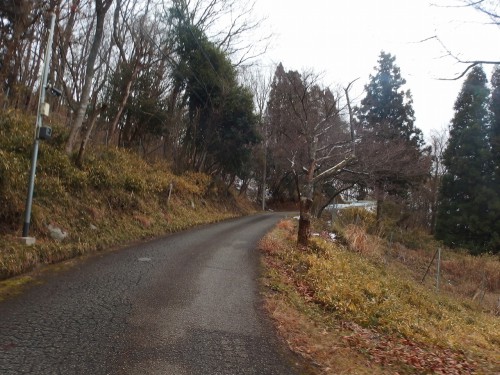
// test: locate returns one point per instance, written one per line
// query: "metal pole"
(41, 100)
(429, 266)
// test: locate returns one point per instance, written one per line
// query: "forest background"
(165, 80)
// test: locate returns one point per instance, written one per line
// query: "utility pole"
(43, 110)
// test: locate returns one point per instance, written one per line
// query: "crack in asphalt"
(184, 304)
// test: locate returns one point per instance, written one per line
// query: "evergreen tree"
(221, 125)
(236, 133)
(495, 124)
(387, 109)
(391, 144)
(495, 152)
(465, 216)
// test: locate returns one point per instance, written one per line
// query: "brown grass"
(462, 275)
(143, 220)
(286, 225)
(363, 243)
(353, 312)
(321, 346)
(115, 198)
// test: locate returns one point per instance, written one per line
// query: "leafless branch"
(335, 169)
(470, 63)
(355, 172)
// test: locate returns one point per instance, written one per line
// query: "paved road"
(185, 304)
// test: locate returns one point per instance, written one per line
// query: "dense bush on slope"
(115, 197)
(356, 304)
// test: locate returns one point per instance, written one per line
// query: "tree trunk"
(304, 221)
(330, 200)
(306, 201)
(90, 127)
(12, 48)
(60, 61)
(134, 61)
(124, 99)
(244, 186)
(102, 7)
(434, 203)
(380, 199)
(231, 182)
(264, 171)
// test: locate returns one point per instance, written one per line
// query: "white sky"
(343, 38)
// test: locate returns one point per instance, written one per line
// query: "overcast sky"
(343, 39)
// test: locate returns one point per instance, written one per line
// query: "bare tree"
(439, 140)
(491, 10)
(22, 36)
(260, 85)
(129, 25)
(469, 63)
(94, 112)
(228, 23)
(306, 115)
(392, 166)
(487, 7)
(101, 8)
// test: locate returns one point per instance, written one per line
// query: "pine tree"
(387, 109)
(495, 153)
(465, 216)
(388, 135)
(495, 123)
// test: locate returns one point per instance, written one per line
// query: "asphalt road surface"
(185, 304)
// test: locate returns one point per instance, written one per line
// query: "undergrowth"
(367, 303)
(116, 197)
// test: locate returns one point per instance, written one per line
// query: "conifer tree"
(386, 118)
(465, 215)
(495, 124)
(387, 109)
(495, 153)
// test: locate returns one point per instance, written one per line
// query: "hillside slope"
(353, 306)
(116, 197)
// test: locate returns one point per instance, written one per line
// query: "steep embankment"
(116, 197)
(355, 306)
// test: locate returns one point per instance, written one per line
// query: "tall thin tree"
(465, 212)
(101, 8)
(391, 143)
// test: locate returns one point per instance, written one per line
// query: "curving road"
(184, 304)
